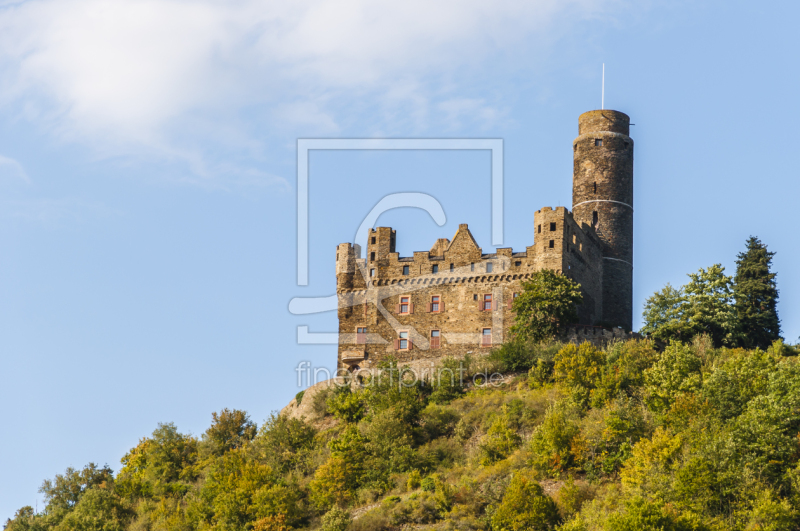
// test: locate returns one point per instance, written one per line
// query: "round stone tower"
(602, 196)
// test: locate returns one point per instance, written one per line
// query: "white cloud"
(169, 76)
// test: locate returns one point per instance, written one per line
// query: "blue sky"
(148, 178)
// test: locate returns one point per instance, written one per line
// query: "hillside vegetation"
(625, 438)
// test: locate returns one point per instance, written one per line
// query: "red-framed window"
(361, 335)
(486, 337)
(405, 306)
(436, 338)
(436, 304)
(403, 342)
(486, 302)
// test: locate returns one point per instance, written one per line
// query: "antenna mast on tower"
(603, 90)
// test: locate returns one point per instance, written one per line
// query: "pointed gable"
(463, 248)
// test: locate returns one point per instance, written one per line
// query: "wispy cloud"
(11, 169)
(168, 77)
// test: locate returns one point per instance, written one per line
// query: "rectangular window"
(517, 263)
(552, 227)
(372, 272)
(598, 142)
(487, 302)
(402, 341)
(361, 335)
(486, 337)
(435, 303)
(435, 269)
(489, 267)
(595, 219)
(405, 305)
(595, 187)
(372, 256)
(552, 244)
(435, 338)
(405, 270)
(452, 267)
(373, 240)
(539, 229)
(474, 296)
(472, 267)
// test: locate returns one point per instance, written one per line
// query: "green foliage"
(346, 404)
(164, 464)
(703, 306)
(335, 520)
(299, 397)
(688, 438)
(676, 372)
(525, 507)
(546, 305)
(756, 294)
(448, 383)
(229, 430)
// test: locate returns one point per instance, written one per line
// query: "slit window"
(540, 229)
(595, 219)
(405, 270)
(452, 267)
(595, 187)
(552, 244)
(472, 266)
(372, 256)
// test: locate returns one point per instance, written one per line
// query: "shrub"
(677, 371)
(414, 480)
(428, 484)
(525, 506)
(346, 404)
(335, 520)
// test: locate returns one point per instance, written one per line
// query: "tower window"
(594, 219)
(598, 142)
(552, 244)
(372, 272)
(452, 267)
(435, 269)
(372, 256)
(595, 187)
(552, 227)
(405, 270)
(373, 240)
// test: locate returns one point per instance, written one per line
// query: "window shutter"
(410, 344)
(396, 344)
(410, 307)
(510, 304)
(441, 306)
(365, 308)
(397, 309)
(480, 305)
(430, 307)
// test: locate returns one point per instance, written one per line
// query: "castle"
(455, 300)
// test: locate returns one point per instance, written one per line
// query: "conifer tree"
(756, 294)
